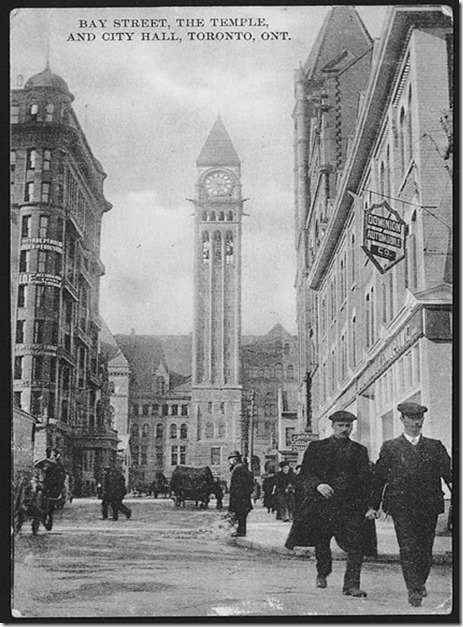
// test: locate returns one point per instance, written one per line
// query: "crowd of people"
(337, 492)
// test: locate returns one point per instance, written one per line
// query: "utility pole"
(251, 429)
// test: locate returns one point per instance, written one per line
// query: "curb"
(307, 553)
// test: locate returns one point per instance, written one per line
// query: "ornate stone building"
(374, 221)
(57, 205)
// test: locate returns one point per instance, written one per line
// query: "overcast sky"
(146, 108)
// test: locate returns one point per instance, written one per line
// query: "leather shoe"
(354, 592)
(321, 582)
(415, 599)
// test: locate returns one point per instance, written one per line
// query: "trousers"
(349, 536)
(116, 507)
(415, 533)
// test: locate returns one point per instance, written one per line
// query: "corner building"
(215, 387)
(373, 334)
(57, 205)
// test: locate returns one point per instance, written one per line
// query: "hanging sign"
(384, 235)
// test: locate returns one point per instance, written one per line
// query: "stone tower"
(216, 389)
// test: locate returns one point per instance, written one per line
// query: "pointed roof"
(342, 31)
(218, 149)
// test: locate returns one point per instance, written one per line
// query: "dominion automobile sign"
(384, 235)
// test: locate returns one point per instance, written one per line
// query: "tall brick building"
(374, 222)
(57, 205)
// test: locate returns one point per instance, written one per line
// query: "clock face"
(218, 184)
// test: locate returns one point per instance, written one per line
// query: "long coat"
(409, 478)
(113, 486)
(241, 488)
(346, 468)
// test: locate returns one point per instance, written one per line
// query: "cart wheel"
(35, 526)
(48, 523)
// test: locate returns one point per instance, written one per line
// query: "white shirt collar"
(412, 440)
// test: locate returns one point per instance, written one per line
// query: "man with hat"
(241, 488)
(335, 485)
(407, 480)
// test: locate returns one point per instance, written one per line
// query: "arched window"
(229, 247)
(183, 431)
(278, 371)
(135, 455)
(206, 247)
(209, 431)
(204, 216)
(290, 372)
(173, 431)
(230, 216)
(146, 429)
(217, 247)
(144, 456)
(212, 216)
(222, 430)
(159, 430)
(49, 109)
(221, 216)
(135, 430)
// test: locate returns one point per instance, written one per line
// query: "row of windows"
(44, 296)
(42, 112)
(174, 431)
(43, 226)
(153, 409)
(46, 262)
(212, 216)
(218, 431)
(44, 332)
(217, 251)
(268, 372)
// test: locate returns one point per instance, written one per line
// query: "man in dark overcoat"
(407, 480)
(336, 483)
(241, 488)
(113, 492)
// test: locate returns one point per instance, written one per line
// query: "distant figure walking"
(241, 488)
(268, 487)
(284, 492)
(112, 493)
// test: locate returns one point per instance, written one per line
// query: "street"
(175, 562)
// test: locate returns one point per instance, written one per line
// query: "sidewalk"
(264, 533)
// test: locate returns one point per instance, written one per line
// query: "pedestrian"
(112, 493)
(284, 492)
(241, 488)
(336, 485)
(218, 493)
(268, 488)
(407, 481)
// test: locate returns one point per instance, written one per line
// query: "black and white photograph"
(231, 276)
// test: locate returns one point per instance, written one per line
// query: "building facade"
(374, 237)
(57, 205)
(216, 386)
(159, 421)
(270, 394)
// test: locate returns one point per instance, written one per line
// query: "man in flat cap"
(241, 488)
(407, 480)
(335, 486)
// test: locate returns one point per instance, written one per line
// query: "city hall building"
(373, 150)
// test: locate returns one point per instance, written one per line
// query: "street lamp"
(252, 399)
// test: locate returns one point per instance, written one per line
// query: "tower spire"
(218, 149)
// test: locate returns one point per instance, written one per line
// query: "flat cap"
(412, 409)
(342, 416)
(235, 455)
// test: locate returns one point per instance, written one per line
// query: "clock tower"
(216, 389)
